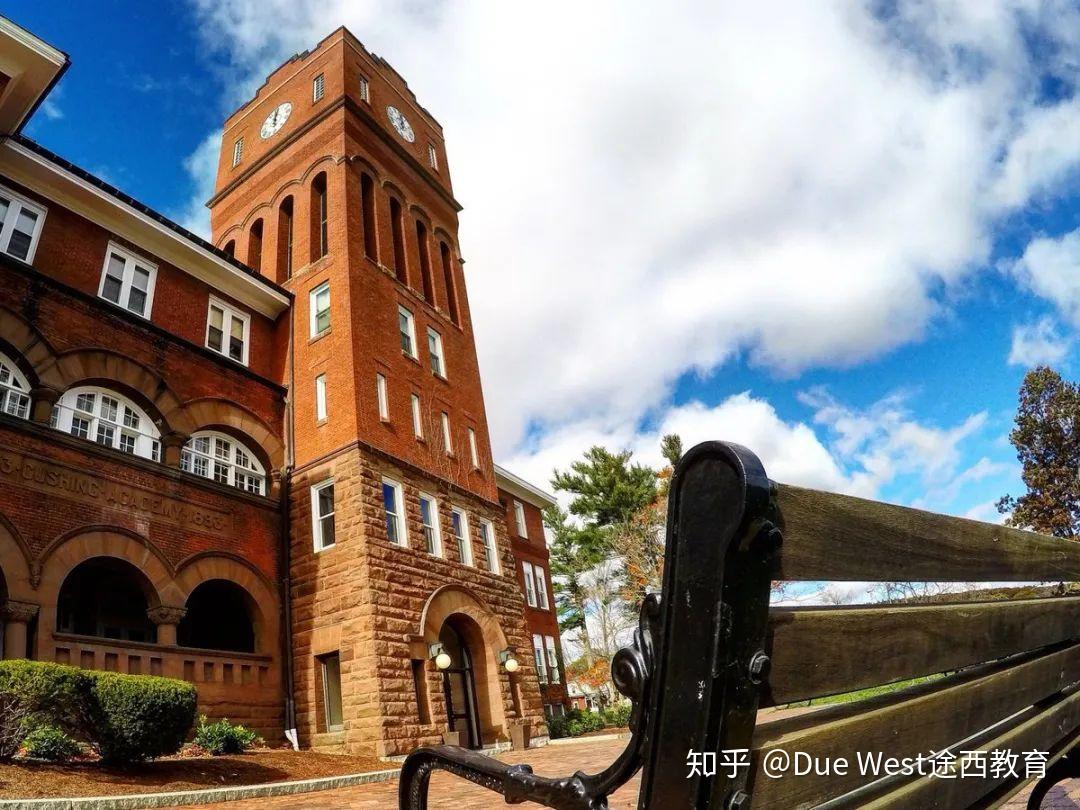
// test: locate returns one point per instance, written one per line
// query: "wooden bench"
(995, 676)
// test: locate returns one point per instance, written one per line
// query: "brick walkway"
(451, 793)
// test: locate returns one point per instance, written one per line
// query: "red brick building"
(524, 504)
(261, 464)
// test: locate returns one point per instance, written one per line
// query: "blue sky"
(839, 235)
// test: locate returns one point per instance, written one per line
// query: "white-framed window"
(530, 583)
(322, 515)
(433, 156)
(320, 397)
(382, 397)
(459, 521)
(222, 458)
(538, 657)
(227, 331)
(447, 441)
(487, 540)
(429, 519)
(407, 328)
(552, 658)
(541, 588)
(128, 281)
(319, 309)
(435, 351)
(519, 519)
(20, 225)
(417, 416)
(474, 455)
(365, 89)
(394, 506)
(108, 418)
(318, 88)
(14, 390)
(237, 151)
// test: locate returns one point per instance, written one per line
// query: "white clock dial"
(275, 120)
(401, 123)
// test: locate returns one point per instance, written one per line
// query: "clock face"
(401, 123)
(275, 120)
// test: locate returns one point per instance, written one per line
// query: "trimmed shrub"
(125, 718)
(223, 737)
(617, 716)
(14, 721)
(143, 717)
(51, 743)
(575, 723)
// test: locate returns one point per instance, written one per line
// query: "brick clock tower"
(405, 615)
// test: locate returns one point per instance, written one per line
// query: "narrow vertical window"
(237, 151)
(432, 156)
(393, 507)
(322, 515)
(425, 262)
(435, 352)
(487, 539)
(530, 584)
(285, 240)
(552, 658)
(367, 209)
(407, 329)
(541, 588)
(397, 230)
(448, 278)
(319, 236)
(318, 87)
(382, 398)
(255, 242)
(319, 309)
(460, 524)
(417, 418)
(365, 89)
(474, 456)
(330, 672)
(538, 656)
(448, 445)
(320, 397)
(519, 519)
(429, 519)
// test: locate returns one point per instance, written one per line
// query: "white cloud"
(1050, 268)
(51, 110)
(1038, 343)
(652, 190)
(201, 166)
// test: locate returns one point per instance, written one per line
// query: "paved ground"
(451, 793)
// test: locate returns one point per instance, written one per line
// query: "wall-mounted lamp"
(506, 658)
(441, 656)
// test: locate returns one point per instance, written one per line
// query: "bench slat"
(817, 652)
(838, 537)
(926, 719)
(1051, 728)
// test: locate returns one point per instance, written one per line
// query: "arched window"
(255, 242)
(367, 206)
(319, 236)
(397, 230)
(14, 390)
(108, 418)
(218, 618)
(223, 459)
(230, 247)
(425, 262)
(285, 240)
(448, 278)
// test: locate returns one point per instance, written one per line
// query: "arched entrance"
(218, 618)
(106, 597)
(459, 683)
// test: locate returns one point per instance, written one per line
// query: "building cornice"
(508, 482)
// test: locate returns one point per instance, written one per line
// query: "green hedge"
(125, 718)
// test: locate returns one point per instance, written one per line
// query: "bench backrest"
(711, 652)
